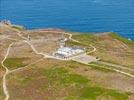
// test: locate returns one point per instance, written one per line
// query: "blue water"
(73, 15)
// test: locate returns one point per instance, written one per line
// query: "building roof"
(68, 51)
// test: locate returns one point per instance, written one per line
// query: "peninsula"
(53, 64)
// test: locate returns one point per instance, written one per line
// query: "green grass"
(64, 77)
(15, 62)
(84, 88)
(113, 62)
(89, 38)
(25, 80)
(1, 67)
(119, 37)
(92, 92)
(116, 95)
(17, 27)
(99, 67)
(59, 80)
(96, 66)
(74, 64)
(85, 38)
(72, 43)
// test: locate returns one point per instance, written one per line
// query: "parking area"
(84, 58)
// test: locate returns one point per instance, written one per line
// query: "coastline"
(124, 37)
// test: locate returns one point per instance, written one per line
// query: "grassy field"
(1, 67)
(126, 41)
(99, 67)
(13, 63)
(85, 38)
(82, 84)
(59, 84)
(1, 90)
(18, 27)
(52, 79)
(111, 47)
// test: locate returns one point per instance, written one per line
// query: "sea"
(72, 15)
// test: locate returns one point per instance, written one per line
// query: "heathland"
(29, 72)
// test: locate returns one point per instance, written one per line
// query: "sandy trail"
(5, 90)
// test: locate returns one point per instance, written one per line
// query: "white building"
(65, 52)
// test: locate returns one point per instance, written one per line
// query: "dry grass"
(108, 48)
(63, 80)
(56, 80)
(1, 90)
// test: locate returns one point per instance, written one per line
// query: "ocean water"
(72, 15)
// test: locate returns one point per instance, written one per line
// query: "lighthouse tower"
(62, 43)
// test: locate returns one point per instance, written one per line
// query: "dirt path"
(94, 49)
(22, 68)
(5, 90)
(70, 38)
(117, 66)
(114, 69)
